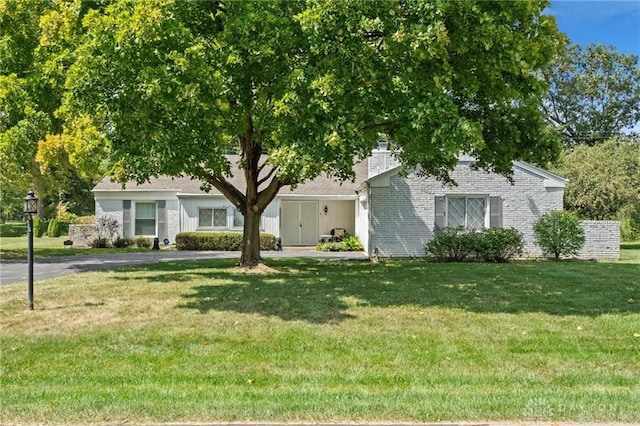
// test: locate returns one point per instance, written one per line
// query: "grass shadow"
(317, 291)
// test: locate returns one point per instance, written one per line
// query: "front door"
(299, 223)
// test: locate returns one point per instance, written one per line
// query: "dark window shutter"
(126, 218)
(495, 212)
(440, 218)
(163, 230)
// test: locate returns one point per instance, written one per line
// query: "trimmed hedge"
(219, 241)
(13, 229)
(490, 245)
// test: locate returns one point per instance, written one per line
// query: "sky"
(613, 22)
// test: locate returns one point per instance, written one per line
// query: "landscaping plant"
(559, 233)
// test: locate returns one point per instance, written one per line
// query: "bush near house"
(220, 241)
(348, 243)
(490, 245)
(559, 233)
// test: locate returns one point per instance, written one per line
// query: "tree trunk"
(251, 239)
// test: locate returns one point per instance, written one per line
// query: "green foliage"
(559, 233)
(37, 149)
(54, 228)
(142, 242)
(348, 243)
(352, 243)
(223, 241)
(39, 227)
(453, 244)
(499, 244)
(595, 94)
(604, 182)
(123, 242)
(57, 227)
(490, 245)
(311, 84)
(13, 229)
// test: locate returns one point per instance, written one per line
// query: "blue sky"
(614, 22)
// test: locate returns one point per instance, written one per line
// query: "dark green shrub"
(219, 241)
(142, 242)
(39, 227)
(559, 233)
(13, 229)
(100, 242)
(122, 242)
(452, 245)
(499, 244)
(54, 229)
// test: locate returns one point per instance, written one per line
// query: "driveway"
(12, 272)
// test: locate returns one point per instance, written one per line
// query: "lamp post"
(30, 208)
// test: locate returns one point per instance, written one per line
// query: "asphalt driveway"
(12, 272)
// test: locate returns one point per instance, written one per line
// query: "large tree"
(176, 85)
(604, 179)
(38, 150)
(594, 94)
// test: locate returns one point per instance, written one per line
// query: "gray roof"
(321, 186)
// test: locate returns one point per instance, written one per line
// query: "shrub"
(452, 245)
(219, 241)
(39, 227)
(54, 228)
(490, 245)
(559, 233)
(100, 242)
(352, 243)
(142, 242)
(13, 229)
(499, 244)
(123, 242)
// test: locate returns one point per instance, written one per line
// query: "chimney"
(382, 159)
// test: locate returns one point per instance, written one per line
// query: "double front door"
(299, 223)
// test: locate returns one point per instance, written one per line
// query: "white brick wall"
(403, 213)
(602, 240)
(112, 209)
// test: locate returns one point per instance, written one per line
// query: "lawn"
(326, 341)
(14, 248)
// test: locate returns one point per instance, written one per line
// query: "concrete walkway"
(12, 272)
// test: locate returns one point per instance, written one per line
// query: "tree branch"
(268, 176)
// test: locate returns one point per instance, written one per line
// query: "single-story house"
(392, 215)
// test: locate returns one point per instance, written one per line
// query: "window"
(238, 219)
(467, 212)
(145, 220)
(212, 218)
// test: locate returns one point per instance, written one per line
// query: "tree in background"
(594, 95)
(175, 85)
(38, 150)
(604, 181)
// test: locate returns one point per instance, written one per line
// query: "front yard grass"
(326, 341)
(15, 248)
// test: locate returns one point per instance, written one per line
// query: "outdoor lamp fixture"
(326, 209)
(30, 208)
